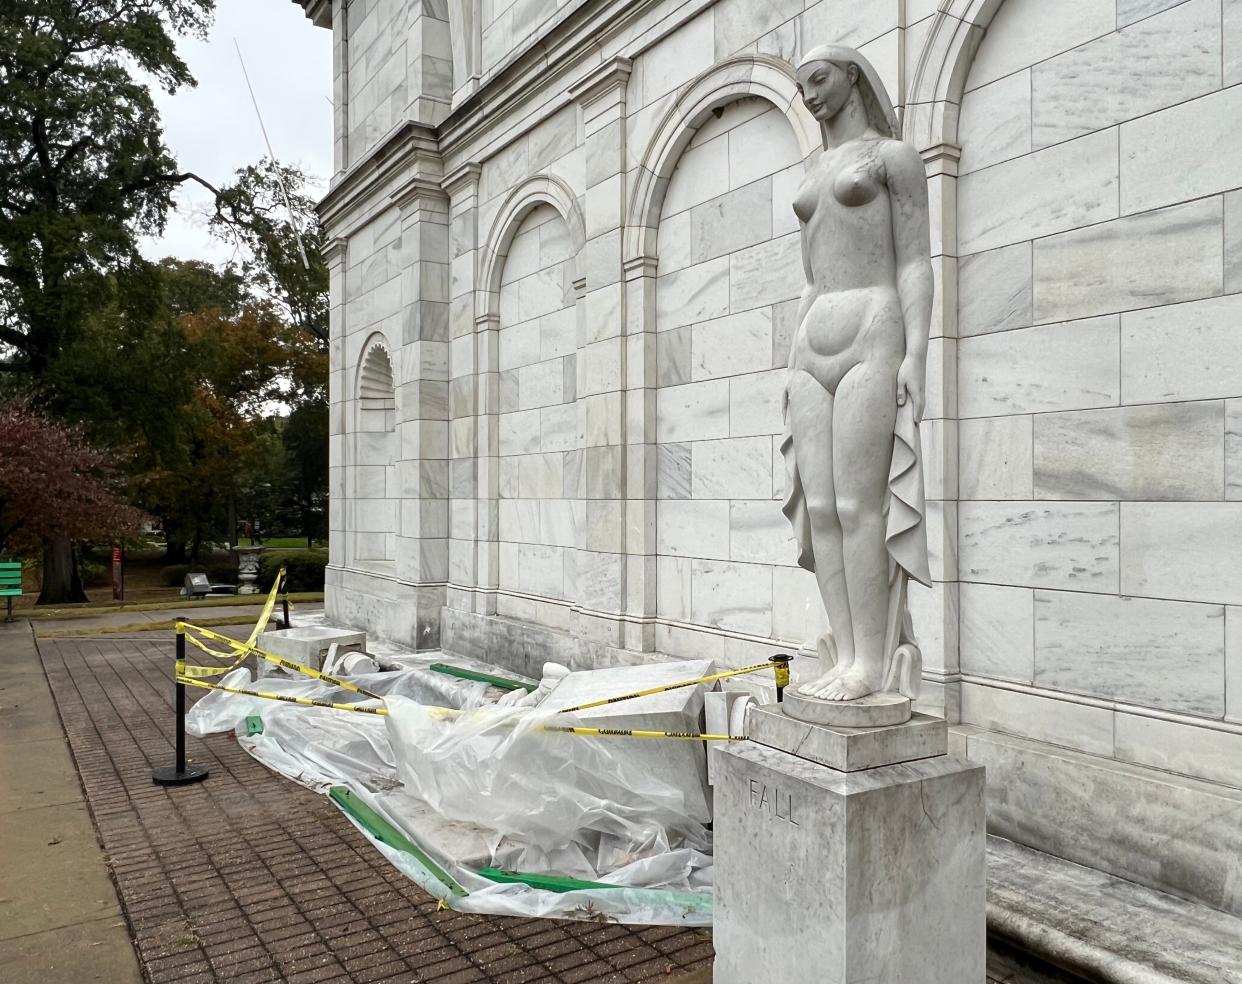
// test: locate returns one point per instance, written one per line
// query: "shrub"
(305, 567)
(94, 574)
(174, 574)
(222, 572)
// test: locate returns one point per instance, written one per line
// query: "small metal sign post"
(118, 573)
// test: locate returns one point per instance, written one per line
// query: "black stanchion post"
(780, 666)
(284, 607)
(180, 774)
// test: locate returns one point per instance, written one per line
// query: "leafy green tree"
(180, 372)
(283, 241)
(84, 172)
(83, 166)
(305, 439)
(267, 210)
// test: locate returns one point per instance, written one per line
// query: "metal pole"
(284, 605)
(780, 666)
(180, 774)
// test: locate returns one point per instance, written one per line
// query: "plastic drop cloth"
(482, 786)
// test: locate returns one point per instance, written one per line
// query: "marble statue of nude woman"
(855, 389)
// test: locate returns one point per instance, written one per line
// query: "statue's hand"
(910, 385)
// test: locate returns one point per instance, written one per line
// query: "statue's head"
(832, 75)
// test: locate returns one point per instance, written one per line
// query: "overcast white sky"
(212, 129)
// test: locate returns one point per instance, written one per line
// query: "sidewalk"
(248, 878)
(60, 920)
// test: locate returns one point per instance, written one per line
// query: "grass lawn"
(292, 543)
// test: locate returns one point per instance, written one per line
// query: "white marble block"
(308, 645)
(683, 763)
(827, 877)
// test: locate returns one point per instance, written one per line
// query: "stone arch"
(375, 378)
(373, 448)
(735, 78)
(939, 79)
(542, 189)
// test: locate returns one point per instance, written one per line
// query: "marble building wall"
(540, 509)
(630, 572)
(376, 74)
(1099, 384)
(507, 24)
(729, 276)
(1081, 442)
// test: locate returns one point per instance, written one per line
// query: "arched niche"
(735, 78)
(543, 189)
(374, 503)
(713, 241)
(529, 288)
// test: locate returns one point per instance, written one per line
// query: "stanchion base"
(169, 776)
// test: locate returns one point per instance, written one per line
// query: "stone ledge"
(1104, 929)
(1174, 835)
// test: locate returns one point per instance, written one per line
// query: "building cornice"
(574, 38)
(603, 82)
(579, 35)
(407, 161)
(462, 180)
(318, 12)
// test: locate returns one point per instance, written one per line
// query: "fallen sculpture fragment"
(469, 789)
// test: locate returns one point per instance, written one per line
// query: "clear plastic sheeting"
(474, 785)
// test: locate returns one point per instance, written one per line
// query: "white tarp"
(486, 787)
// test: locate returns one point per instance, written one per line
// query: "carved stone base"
(877, 710)
(828, 877)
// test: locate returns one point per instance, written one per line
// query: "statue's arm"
(907, 185)
(808, 291)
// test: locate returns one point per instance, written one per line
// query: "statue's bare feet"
(850, 685)
(819, 686)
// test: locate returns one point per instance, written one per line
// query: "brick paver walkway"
(249, 878)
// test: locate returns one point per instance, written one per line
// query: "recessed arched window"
(376, 500)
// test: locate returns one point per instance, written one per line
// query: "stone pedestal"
(847, 855)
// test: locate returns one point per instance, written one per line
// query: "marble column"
(847, 855)
(473, 393)
(935, 610)
(334, 254)
(601, 362)
(423, 425)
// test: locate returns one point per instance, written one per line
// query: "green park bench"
(10, 584)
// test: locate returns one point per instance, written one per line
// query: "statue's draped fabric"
(905, 507)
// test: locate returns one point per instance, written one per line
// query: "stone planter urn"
(247, 568)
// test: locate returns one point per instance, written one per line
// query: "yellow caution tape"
(185, 669)
(450, 712)
(287, 698)
(665, 688)
(265, 616)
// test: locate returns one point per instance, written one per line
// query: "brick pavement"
(249, 878)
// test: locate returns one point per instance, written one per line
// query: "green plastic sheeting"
(549, 883)
(562, 884)
(504, 683)
(386, 833)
